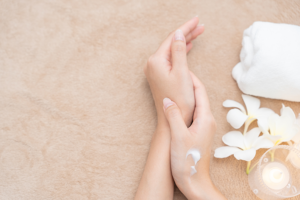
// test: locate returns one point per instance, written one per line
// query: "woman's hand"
(198, 136)
(168, 74)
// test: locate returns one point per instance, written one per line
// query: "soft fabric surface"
(77, 113)
(270, 57)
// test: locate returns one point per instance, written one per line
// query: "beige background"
(76, 111)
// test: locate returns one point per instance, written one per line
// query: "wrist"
(195, 189)
(162, 120)
(162, 123)
(202, 189)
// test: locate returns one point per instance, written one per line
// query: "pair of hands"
(171, 81)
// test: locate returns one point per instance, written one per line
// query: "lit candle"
(275, 175)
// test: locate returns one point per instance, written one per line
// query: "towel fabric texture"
(270, 61)
(76, 112)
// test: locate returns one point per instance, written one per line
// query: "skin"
(200, 136)
(168, 76)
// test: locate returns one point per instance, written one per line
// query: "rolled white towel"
(270, 61)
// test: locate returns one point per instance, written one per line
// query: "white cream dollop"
(196, 155)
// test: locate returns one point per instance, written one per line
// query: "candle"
(275, 175)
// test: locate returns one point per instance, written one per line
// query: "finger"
(186, 28)
(174, 117)
(189, 46)
(202, 108)
(178, 50)
(195, 33)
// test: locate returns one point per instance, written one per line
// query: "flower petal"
(245, 155)
(263, 116)
(274, 121)
(233, 104)
(262, 142)
(263, 125)
(287, 112)
(224, 152)
(273, 138)
(236, 118)
(252, 104)
(289, 133)
(251, 136)
(264, 113)
(234, 139)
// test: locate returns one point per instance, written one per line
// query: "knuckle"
(152, 61)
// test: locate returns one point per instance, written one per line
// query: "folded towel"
(270, 61)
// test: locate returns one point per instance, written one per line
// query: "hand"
(168, 74)
(199, 136)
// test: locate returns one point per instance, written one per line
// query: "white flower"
(243, 147)
(237, 117)
(282, 128)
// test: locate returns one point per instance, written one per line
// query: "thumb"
(179, 50)
(174, 117)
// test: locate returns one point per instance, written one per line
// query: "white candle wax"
(275, 175)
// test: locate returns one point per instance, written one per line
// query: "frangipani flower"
(282, 128)
(243, 147)
(238, 116)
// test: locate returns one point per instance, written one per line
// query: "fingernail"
(196, 16)
(179, 35)
(167, 103)
(200, 25)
